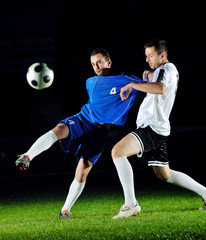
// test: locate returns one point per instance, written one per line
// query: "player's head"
(101, 61)
(156, 52)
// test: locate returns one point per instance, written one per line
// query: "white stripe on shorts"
(157, 163)
(139, 142)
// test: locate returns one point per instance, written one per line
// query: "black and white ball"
(40, 76)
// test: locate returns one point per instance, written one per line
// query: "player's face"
(153, 58)
(100, 65)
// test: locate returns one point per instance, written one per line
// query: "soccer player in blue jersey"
(87, 130)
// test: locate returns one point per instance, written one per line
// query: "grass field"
(168, 212)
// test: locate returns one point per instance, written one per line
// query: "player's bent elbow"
(162, 88)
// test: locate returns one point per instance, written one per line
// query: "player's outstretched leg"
(185, 181)
(42, 144)
(76, 187)
(182, 180)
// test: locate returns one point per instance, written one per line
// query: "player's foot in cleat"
(126, 211)
(23, 162)
(204, 205)
(65, 214)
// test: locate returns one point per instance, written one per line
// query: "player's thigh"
(61, 131)
(127, 146)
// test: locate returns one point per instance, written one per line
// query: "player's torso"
(101, 89)
(156, 108)
(105, 104)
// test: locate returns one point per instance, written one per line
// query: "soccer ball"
(40, 76)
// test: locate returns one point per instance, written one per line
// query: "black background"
(62, 34)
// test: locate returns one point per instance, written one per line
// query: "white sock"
(42, 144)
(183, 180)
(125, 173)
(75, 190)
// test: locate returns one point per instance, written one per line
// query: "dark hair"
(102, 51)
(160, 45)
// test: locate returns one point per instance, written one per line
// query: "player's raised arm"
(154, 88)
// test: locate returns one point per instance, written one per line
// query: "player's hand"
(148, 74)
(125, 91)
(144, 75)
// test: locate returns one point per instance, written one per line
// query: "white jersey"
(156, 108)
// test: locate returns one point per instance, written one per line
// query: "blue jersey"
(105, 104)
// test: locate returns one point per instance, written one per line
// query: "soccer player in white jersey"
(153, 129)
(87, 130)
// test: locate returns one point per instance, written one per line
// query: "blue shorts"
(88, 138)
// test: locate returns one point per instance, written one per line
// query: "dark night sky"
(63, 33)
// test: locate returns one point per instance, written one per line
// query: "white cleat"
(126, 211)
(204, 205)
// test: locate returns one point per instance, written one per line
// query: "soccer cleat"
(126, 211)
(65, 214)
(23, 162)
(204, 205)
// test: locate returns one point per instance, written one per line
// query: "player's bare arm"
(154, 88)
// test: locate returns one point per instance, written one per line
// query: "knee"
(81, 177)
(61, 131)
(116, 152)
(83, 169)
(81, 174)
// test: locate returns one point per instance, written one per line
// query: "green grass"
(167, 213)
